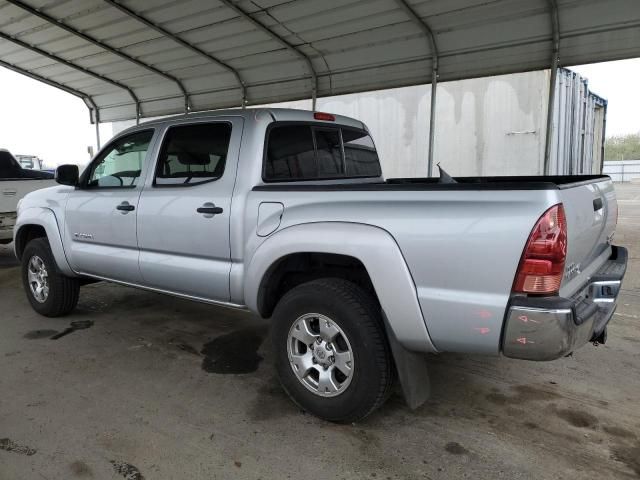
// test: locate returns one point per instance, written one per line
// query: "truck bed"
(12, 190)
(462, 241)
(549, 182)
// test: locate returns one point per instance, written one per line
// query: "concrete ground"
(160, 388)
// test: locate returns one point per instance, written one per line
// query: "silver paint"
(442, 262)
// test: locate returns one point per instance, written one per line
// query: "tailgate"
(591, 211)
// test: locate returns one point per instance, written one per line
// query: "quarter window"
(193, 154)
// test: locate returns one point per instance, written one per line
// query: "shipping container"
(578, 127)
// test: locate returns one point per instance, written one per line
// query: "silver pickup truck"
(286, 213)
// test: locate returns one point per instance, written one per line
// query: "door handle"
(209, 209)
(125, 207)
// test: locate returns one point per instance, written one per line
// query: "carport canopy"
(144, 58)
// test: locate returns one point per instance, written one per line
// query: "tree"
(622, 147)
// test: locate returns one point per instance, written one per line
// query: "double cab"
(286, 213)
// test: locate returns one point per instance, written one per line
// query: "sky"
(618, 83)
(37, 119)
(41, 120)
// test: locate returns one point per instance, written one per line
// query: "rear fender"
(378, 252)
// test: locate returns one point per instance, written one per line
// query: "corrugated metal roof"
(163, 54)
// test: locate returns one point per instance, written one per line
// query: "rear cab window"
(308, 151)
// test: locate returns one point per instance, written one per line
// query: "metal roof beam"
(60, 24)
(281, 41)
(184, 43)
(39, 78)
(97, 122)
(424, 26)
(69, 64)
(415, 18)
(555, 61)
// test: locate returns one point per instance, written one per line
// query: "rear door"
(183, 219)
(100, 215)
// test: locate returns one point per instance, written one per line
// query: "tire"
(339, 305)
(62, 294)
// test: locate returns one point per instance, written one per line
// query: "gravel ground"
(160, 388)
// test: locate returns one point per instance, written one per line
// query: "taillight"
(542, 264)
(327, 117)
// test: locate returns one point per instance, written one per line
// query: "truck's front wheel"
(50, 293)
(331, 350)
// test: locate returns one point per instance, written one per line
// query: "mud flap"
(412, 370)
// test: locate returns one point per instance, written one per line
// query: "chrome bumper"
(546, 328)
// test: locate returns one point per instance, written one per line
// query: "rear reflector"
(324, 116)
(542, 264)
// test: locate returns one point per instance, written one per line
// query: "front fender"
(378, 252)
(46, 219)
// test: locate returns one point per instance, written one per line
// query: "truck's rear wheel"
(331, 351)
(50, 293)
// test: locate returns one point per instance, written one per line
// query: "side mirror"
(67, 175)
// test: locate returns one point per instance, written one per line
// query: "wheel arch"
(380, 266)
(296, 268)
(25, 234)
(37, 223)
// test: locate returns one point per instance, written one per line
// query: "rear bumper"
(546, 328)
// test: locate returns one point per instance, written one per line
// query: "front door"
(183, 217)
(100, 216)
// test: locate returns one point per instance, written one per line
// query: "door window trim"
(161, 145)
(83, 184)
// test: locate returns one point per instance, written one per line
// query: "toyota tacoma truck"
(285, 213)
(15, 183)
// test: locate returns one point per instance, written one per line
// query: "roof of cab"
(276, 115)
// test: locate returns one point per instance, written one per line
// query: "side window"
(193, 154)
(361, 158)
(120, 165)
(317, 152)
